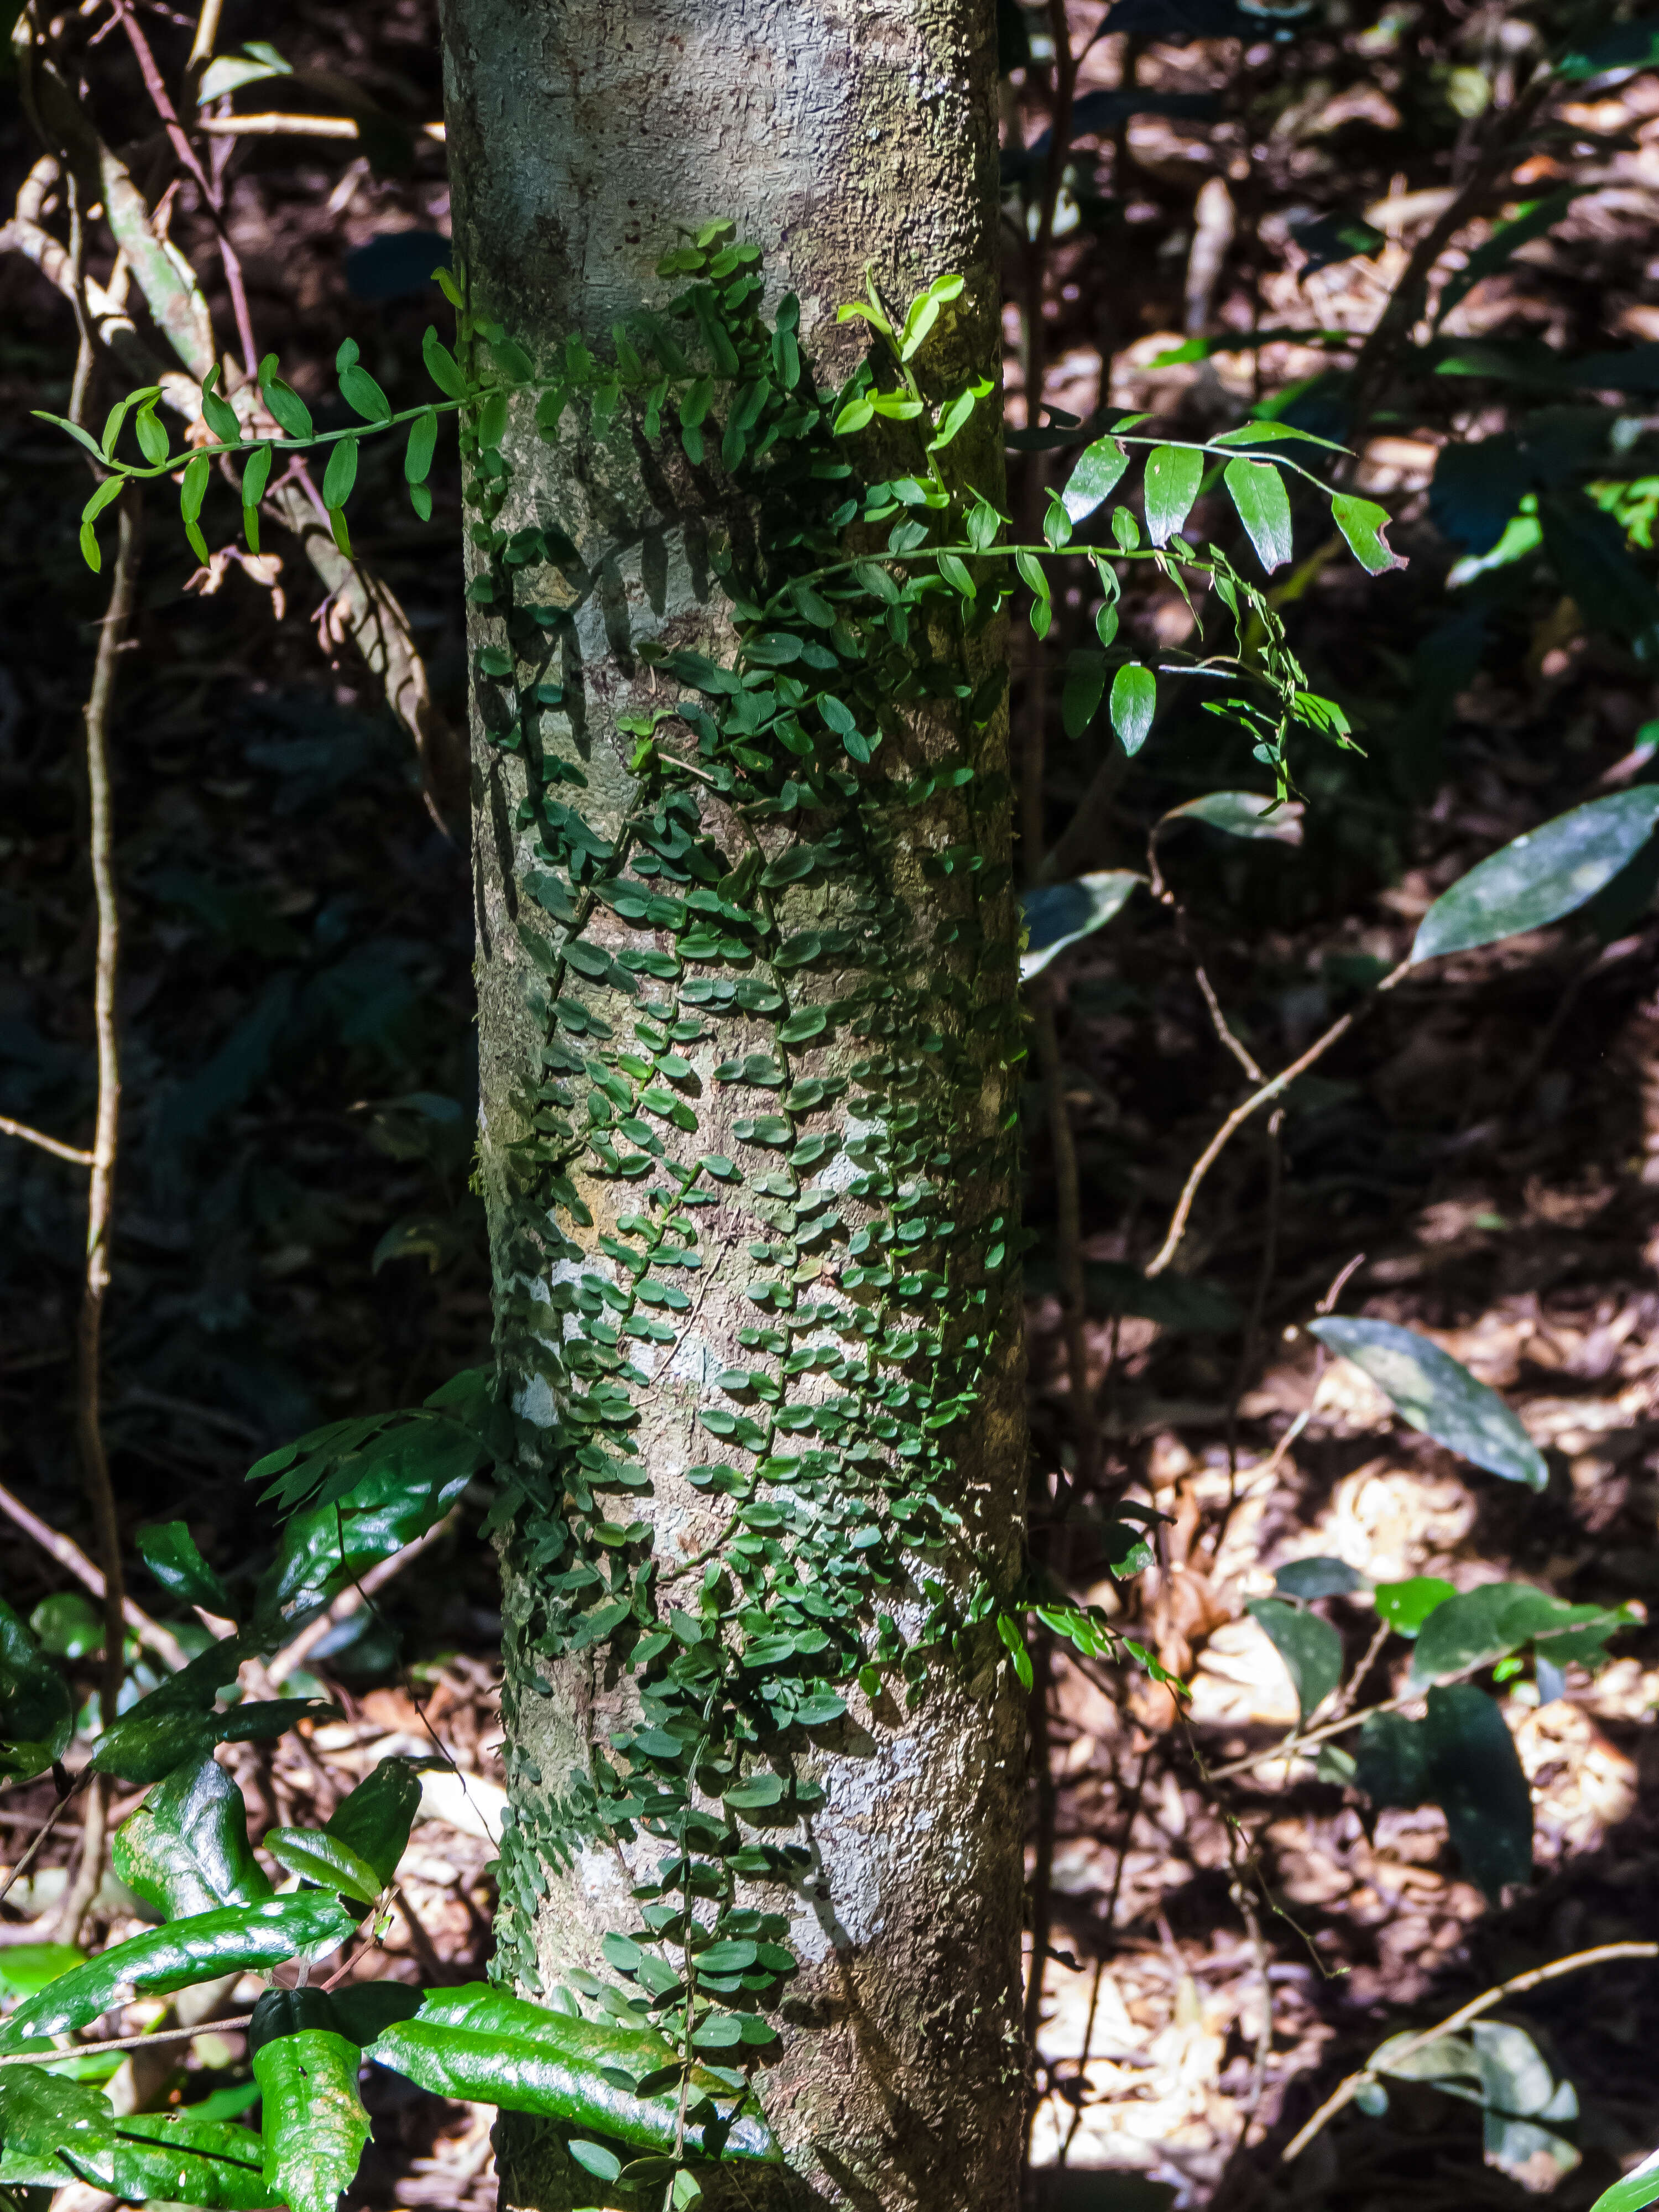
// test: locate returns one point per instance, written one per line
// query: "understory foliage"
(866, 598)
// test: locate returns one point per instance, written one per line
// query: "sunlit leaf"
(1537, 878)
(1058, 915)
(1405, 1605)
(1243, 814)
(1437, 1393)
(1362, 523)
(1634, 2191)
(313, 2121)
(1174, 474)
(480, 2045)
(1258, 493)
(240, 1939)
(1098, 469)
(1311, 1648)
(185, 1849)
(1134, 702)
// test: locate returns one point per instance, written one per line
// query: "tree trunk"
(757, 1324)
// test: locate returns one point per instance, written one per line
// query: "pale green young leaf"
(1311, 1648)
(924, 313)
(1362, 523)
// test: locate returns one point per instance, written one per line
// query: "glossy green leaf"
(1174, 474)
(1241, 814)
(1362, 523)
(1059, 915)
(26, 1968)
(68, 1624)
(312, 2122)
(442, 367)
(152, 1740)
(1405, 1605)
(1085, 686)
(44, 2118)
(423, 443)
(325, 1860)
(1537, 878)
(1433, 1392)
(1311, 1648)
(238, 1939)
(593, 2158)
(185, 1849)
(1634, 2191)
(57, 2131)
(363, 395)
(169, 1551)
(341, 473)
(1098, 470)
(410, 1475)
(36, 1715)
(479, 2045)
(1134, 702)
(286, 407)
(1474, 1627)
(1258, 493)
(374, 1820)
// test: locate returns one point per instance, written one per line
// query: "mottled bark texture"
(837, 135)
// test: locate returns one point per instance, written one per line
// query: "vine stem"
(1241, 1113)
(1346, 2091)
(52, 1144)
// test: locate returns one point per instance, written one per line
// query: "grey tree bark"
(839, 136)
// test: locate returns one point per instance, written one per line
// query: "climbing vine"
(761, 1004)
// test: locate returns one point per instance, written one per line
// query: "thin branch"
(59, 1152)
(1514, 1987)
(65, 1795)
(295, 1654)
(70, 1556)
(207, 33)
(101, 840)
(296, 126)
(124, 2042)
(1241, 1113)
(88, 1875)
(1086, 1438)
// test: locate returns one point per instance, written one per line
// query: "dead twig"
(70, 1556)
(1346, 2091)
